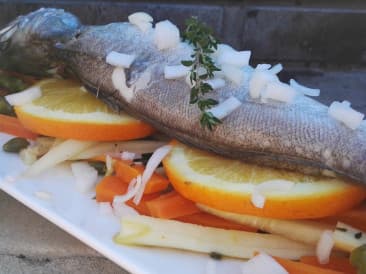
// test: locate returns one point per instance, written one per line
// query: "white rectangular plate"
(79, 215)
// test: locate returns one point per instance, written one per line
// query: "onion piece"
(343, 113)
(175, 72)
(166, 35)
(235, 58)
(225, 108)
(133, 188)
(118, 59)
(221, 48)
(128, 156)
(263, 67)
(142, 20)
(216, 83)
(233, 73)
(262, 264)
(121, 210)
(85, 176)
(324, 246)
(25, 96)
(276, 69)
(151, 165)
(258, 199)
(279, 92)
(259, 81)
(304, 90)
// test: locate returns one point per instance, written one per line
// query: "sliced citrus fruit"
(67, 110)
(228, 185)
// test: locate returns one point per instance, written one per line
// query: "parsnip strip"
(307, 232)
(347, 238)
(57, 154)
(148, 231)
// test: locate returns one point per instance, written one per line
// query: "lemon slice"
(67, 110)
(228, 185)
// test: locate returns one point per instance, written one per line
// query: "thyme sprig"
(202, 68)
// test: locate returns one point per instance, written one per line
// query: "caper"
(99, 166)
(358, 259)
(5, 107)
(15, 145)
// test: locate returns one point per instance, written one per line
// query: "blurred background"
(322, 44)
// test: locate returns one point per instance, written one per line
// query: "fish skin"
(297, 136)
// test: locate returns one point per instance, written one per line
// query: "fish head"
(27, 44)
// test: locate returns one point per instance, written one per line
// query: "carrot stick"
(170, 206)
(11, 125)
(206, 219)
(335, 263)
(301, 268)
(128, 172)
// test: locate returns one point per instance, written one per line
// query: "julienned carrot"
(171, 206)
(301, 268)
(128, 172)
(206, 219)
(111, 186)
(335, 263)
(11, 125)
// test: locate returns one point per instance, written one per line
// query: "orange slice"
(228, 185)
(66, 110)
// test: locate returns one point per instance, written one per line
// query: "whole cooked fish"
(298, 135)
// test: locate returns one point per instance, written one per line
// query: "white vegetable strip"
(58, 154)
(259, 81)
(262, 264)
(142, 20)
(279, 92)
(118, 59)
(175, 72)
(343, 113)
(216, 83)
(117, 147)
(85, 176)
(23, 97)
(304, 90)
(233, 73)
(307, 232)
(344, 237)
(166, 35)
(324, 247)
(148, 231)
(151, 165)
(132, 190)
(276, 69)
(235, 58)
(225, 108)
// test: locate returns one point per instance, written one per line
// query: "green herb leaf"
(200, 36)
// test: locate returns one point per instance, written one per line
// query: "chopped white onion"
(175, 72)
(23, 97)
(133, 188)
(128, 156)
(166, 35)
(263, 67)
(142, 20)
(275, 186)
(118, 59)
(324, 246)
(221, 48)
(216, 83)
(258, 199)
(259, 81)
(121, 209)
(304, 90)
(85, 176)
(262, 264)
(233, 73)
(226, 107)
(43, 195)
(342, 112)
(151, 165)
(279, 92)
(276, 69)
(235, 58)
(105, 208)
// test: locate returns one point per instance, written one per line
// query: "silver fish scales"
(296, 136)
